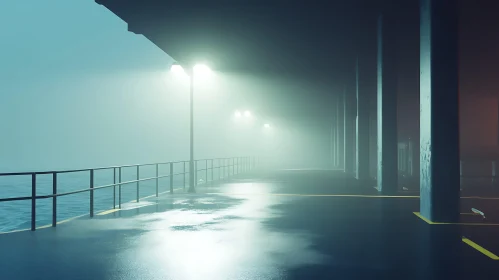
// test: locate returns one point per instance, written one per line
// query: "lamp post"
(199, 69)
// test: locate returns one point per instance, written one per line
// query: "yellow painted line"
(347, 195)
(423, 218)
(322, 195)
(481, 197)
(461, 224)
(45, 226)
(70, 219)
(13, 231)
(153, 195)
(108, 212)
(480, 249)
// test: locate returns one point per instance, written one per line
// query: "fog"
(79, 90)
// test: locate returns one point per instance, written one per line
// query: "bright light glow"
(247, 114)
(237, 114)
(266, 125)
(177, 68)
(201, 70)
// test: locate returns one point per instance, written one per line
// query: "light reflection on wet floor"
(230, 235)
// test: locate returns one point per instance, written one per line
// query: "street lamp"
(196, 70)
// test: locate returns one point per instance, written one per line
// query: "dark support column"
(347, 133)
(439, 103)
(362, 125)
(339, 131)
(387, 174)
(333, 141)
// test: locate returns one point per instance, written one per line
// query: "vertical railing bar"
(54, 199)
(206, 172)
(171, 177)
(212, 179)
(184, 174)
(114, 188)
(137, 185)
(91, 193)
(157, 179)
(119, 188)
(33, 202)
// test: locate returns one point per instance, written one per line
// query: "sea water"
(15, 215)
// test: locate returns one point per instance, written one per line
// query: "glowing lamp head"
(177, 68)
(266, 125)
(201, 70)
(247, 114)
(237, 114)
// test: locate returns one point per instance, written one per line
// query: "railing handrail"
(228, 166)
(102, 168)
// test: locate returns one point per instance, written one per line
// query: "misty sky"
(79, 90)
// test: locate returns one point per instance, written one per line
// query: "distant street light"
(266, 125)
(247, 114)
(237, 114)
(195, 71)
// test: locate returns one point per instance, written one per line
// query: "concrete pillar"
(439, 109)
(347, 133)
(339, 131)
(387, 173)
(333, 142)
(362, 124)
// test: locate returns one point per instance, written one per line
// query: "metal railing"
(226, 167)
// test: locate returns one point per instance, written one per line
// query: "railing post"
(119, 188)
(114, 188)
(206, 172)
(212, 179)
(54, 199)
(171, 177)
(33, 202)
(91, 193)
(138, 178)
(219, 170)
(157, 179)
(184, 174)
